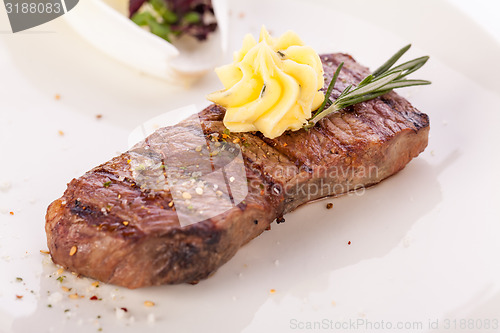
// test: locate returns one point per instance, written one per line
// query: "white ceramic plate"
(424, 243)
(105, 25)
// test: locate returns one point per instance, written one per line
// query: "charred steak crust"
(131, 237)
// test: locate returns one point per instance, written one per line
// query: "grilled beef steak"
(110, 227)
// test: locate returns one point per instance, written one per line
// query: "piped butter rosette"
(271, 86)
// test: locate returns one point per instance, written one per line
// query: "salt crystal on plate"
(407, 241)
(55, 297)
(120, 313)
(5, 186)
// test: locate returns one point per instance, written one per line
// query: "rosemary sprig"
(381, 81)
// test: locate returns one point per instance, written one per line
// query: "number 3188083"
(33, 8)
(471, 324)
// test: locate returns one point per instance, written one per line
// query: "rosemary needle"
(381, 81)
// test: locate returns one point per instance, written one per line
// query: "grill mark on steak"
(153, 249)
(279, 154)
